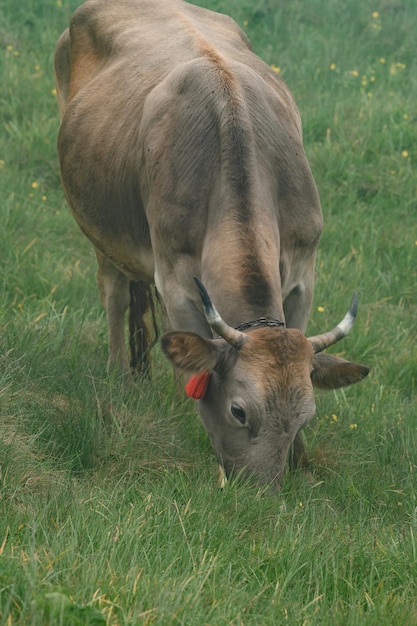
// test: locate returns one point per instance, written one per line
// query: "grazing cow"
(181, 155)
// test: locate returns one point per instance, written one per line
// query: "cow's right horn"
(235, 337)
(321, 342)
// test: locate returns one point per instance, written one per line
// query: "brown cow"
(181, 154)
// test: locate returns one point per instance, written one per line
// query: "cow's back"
(159, 34)
(142, 41)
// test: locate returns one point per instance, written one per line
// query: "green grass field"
(109, 508)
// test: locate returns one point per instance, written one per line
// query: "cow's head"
(260, 388)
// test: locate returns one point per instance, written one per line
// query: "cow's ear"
(331, 372)
(189, 352)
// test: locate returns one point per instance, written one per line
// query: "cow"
(182, 160)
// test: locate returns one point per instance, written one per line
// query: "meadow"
(110, 511)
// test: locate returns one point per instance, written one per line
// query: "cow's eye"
(238, 413)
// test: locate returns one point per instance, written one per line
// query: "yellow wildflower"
(53, 92)
(35, 185)
(382, 60)
(332, 66)
(375, 15)
(353, 426)
(354, 73)
(404, 154)
(2, 164)
(320, 309)
(275, 68)
(334, 418)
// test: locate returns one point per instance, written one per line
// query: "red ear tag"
(197, 385)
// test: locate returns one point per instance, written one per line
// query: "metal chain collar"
(262, 321)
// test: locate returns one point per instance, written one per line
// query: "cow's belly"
(100, 177)
(135, 261)
(119, 234)
(127, 248)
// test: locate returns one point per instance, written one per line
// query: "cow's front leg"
(298, 457)
(114, 293)
(297, 304)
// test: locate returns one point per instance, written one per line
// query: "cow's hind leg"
(142, 299)
(117, 294)
(114, 290)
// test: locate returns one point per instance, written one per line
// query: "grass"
(109, 509)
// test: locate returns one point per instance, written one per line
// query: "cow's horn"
(321, 342)
(235, 337)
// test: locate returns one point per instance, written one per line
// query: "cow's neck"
(241, 272)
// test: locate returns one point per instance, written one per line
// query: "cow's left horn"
(235, 337)
(321, 342)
